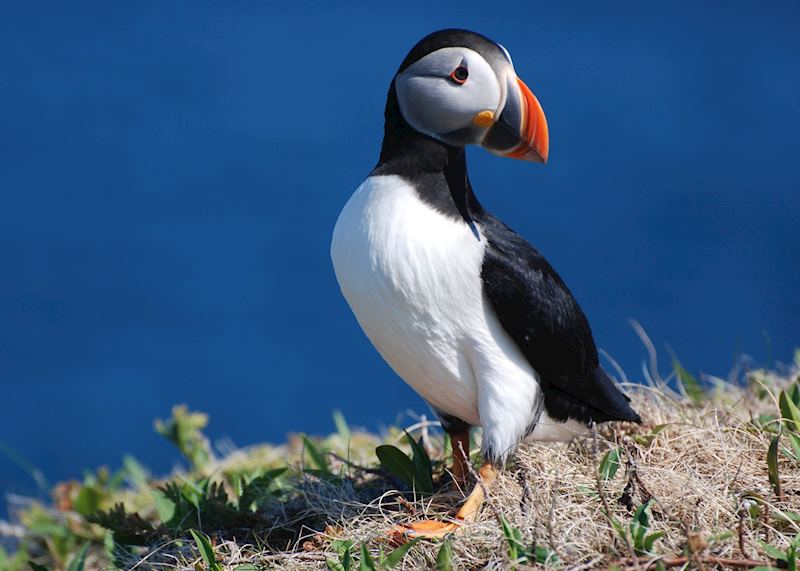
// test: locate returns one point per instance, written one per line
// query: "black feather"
(539, 313)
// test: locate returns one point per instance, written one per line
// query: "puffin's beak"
(521, 130)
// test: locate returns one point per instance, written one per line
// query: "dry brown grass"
(706, 472)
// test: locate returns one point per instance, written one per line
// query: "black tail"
(615, 404)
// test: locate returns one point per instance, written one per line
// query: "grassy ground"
(710, 480)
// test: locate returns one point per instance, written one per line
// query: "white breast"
(412, 278)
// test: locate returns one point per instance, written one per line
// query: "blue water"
(170, 174)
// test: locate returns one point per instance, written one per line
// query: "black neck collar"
(438, 171)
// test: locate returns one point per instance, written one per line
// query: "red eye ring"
(460, 74)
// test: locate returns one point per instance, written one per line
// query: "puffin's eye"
(460, 74)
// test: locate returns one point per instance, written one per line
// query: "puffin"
(460, 306)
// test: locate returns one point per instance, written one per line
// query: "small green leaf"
(772, 551)
(422, 465)
(396, 463)
(347, 561)
(544, 556)
(342, 427)
(79, 561)
(185, 430)
(367, 563)
(317, 457)
(691, 385)
(88, 500)
(260, 487)
(785, 515)
(110, 548)
(647, 439)
(789, 411)
(164, 506)
(640, 524)
(794, 392)
(651, 539)
(772, 465)
(342, 546)
(135, 472)
(619, 528)
(246, 567)
(37, 567)
(396, 556)
(334, 565)
(609, 465)
(206, 551)
(794, 440)
(444, 558)
(514, 539)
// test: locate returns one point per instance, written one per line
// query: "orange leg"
(459, 442)
(433, 529)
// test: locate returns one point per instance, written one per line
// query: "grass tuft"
(711, 479)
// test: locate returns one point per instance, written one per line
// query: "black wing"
(538, 312)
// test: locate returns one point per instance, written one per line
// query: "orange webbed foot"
(423, 529)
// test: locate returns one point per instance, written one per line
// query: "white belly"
(411, 275)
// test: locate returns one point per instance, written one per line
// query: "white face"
(441, 94)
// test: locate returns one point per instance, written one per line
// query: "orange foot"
(424, 529)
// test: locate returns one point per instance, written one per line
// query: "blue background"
(171, 173)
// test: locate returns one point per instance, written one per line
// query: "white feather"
(411, 275)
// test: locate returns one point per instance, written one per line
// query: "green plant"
(521, 552)
(772, 465)
(15, 562)
(789, 559)
(444, 557)
(691, 386)
(206, 551)
(343, 548)
(267, 484)
(78, 562)
(647, 439)
(416, 471)
(640, 539)
(342, 428)
(789, 404)
(184, 430)
(609, 465)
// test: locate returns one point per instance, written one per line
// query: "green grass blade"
(367, 562)
(651, 539)
(772, 551)
(317, 457)
(79, 561)
(511, 539)
(794, 440)
(772, 466)
(206, 551)
(789, 411)
(422, 464)
(444, 558)
(396, 556)
(342, 428)
(691, 385)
